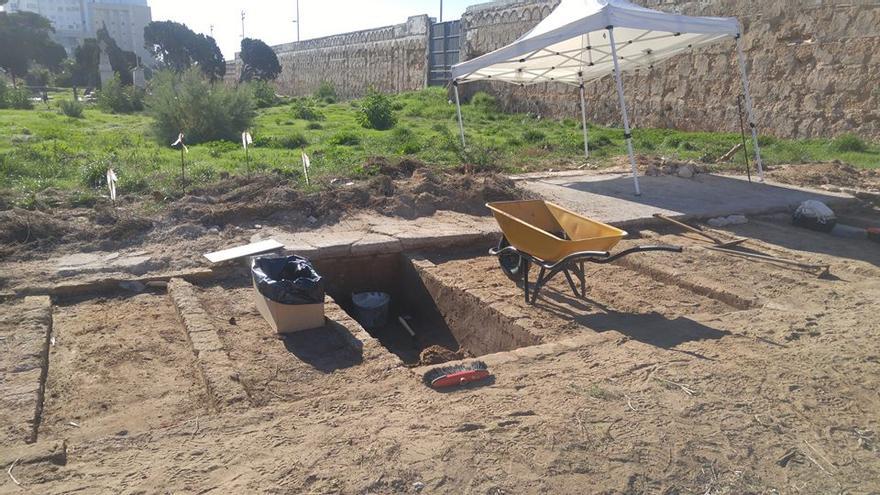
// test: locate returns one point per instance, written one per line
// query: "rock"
(418, 486)
(652, 171)
(686, 171)
(725, 221)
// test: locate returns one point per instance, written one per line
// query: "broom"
(459, 374)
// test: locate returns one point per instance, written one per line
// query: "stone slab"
(25, 328)
(610, 197)
(218, 373)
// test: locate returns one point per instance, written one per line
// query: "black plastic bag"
(288, 280)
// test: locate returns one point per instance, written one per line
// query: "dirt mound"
(826, 174)
(437, 354)
(20, 227)
(407, 189)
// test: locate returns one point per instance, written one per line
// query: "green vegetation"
(326, 92)
(185, 103)
(72, 109)
(114, 97)
(41, 149)
(377, 112)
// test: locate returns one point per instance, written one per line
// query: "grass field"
(42, 148)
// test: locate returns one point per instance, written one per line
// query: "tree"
(29, 34)
(51, 55)
(259, 61)
(177, 47)
(122, 62)
(87, 59)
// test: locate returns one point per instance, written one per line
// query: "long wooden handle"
(769, 258)
(688, 227)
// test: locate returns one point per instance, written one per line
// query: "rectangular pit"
(119, 364)
(449, 324)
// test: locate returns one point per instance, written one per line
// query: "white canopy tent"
(584, 40)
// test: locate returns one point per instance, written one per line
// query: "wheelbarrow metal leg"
(525, 267)
(571, 283)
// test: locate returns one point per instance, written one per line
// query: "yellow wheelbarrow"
(557, 241)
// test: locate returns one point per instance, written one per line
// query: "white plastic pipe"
(458, 109)
(749, 112)
(626, 129)
(584, 121)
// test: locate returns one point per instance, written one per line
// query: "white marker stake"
(307, 164)
(246, 140)
(112, 179)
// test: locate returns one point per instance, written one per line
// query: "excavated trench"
(448, 322)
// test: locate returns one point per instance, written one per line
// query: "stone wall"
(814, 68)
(390, 59)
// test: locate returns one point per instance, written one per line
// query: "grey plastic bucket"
(371, 308)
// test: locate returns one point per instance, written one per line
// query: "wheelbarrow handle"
(639, 249)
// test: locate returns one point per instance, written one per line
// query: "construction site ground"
(132, 371)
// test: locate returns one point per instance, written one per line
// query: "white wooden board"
(243, 251)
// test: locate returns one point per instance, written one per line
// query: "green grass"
(42, 148)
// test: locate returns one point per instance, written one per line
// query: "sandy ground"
(696, 373)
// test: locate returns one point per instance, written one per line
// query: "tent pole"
(458, 109)
(749, 111)
(627, 132)
(584, 121)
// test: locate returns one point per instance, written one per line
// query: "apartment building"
(75, 20)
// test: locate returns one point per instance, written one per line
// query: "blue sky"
(272, 20)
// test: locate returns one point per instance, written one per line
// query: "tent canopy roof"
(571, 45)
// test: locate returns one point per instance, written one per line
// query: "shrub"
(204, 111)
(484, 101)
(326, 92)
(376, 112)
(314, 126)
(19, 99)
(534, 136)
(405, 141)
(71, 108)
(849, 143)
(264, 94)
(345, 138)
(218, 148)
(305, 109)
(114, 97)
(4, 94)
(94, 175)
(292, 142)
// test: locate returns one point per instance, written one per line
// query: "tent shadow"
(326, 349)
(709, 195)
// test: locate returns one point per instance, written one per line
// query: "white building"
(75, 20)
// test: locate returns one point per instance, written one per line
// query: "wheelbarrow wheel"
(511, 264)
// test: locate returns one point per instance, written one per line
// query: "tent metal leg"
(458, 109)
(749, 111)
(584, 122)
(626, 129)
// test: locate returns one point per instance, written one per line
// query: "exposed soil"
(119, 365)
(827, 174)
(698, 372)
(407, 189)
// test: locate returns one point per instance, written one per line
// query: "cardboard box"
(289, 318)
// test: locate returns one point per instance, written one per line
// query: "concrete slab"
(98, 262)
(609, 197)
